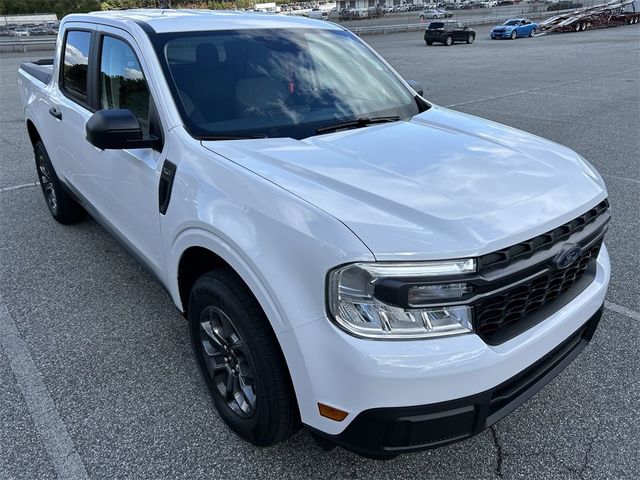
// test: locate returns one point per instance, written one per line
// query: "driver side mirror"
(416, 86)
(118, 129)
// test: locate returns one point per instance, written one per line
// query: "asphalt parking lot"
(97, 377)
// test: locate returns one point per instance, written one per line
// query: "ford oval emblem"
(569, 254)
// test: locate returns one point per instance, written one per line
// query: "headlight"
(402, 300)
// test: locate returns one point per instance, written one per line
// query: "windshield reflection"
(278, 82)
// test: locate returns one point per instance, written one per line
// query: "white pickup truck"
(391, 274)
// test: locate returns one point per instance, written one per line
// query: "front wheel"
(429, 42)
(532, 33)
(448, 41)
(514, 35)
(470, 38)
(240, 359)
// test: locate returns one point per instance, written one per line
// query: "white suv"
(391, 274)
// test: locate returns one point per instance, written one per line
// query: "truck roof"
(182, 20)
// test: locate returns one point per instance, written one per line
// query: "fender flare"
(200, 236)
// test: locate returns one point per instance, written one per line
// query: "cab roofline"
(183, 20)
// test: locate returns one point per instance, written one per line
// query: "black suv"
(448, 32)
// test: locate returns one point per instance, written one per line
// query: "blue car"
(514, 28)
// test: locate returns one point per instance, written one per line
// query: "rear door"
(69, 106)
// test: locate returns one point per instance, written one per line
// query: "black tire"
(429, 42)
(448, 41)
(532, 33)
(577, 27)
(61, 205)
(471, 38)
(260, 406)
(514, 35)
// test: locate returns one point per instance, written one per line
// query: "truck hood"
(442, 185)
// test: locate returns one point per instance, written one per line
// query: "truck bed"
(40, 69)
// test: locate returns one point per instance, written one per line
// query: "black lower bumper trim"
(389, 431)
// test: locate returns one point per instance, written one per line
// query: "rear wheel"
(471, 38)
(448, 41)
(240, 359)
(577, 27)
(514, 35)
(583, 26)
(61, 205)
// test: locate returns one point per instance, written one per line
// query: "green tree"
(59, 7)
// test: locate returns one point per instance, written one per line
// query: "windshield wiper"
(206, 138)
(357, 123)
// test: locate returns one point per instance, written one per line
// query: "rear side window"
(122, 83)
(75, 64)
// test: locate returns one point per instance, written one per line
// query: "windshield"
(277, 83)
(511, 22)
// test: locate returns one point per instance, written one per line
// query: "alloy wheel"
(227, 362)
(47, 185)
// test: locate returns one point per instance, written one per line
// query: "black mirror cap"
(416, 87)
(113, 129)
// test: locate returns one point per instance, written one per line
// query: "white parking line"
(537, 89)
(49, 425)
(627, 312)
(18, 187)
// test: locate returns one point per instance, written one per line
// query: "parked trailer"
(611, 14)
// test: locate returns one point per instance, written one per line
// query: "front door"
(460, 32)
(125, 182)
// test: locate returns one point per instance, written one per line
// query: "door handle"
(54, 112)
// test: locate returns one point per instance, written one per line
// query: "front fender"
(280, 245)
(196, 235)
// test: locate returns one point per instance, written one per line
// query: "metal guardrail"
(21, 44)
(409, 27)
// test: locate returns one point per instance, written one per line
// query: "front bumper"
(390, 431)
(379, 381)
(505, 34)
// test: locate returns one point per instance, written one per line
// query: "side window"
(122, 83)
(75, 64)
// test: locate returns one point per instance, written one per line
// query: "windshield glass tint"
(277, 83)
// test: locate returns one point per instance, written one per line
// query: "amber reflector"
(331, 412)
